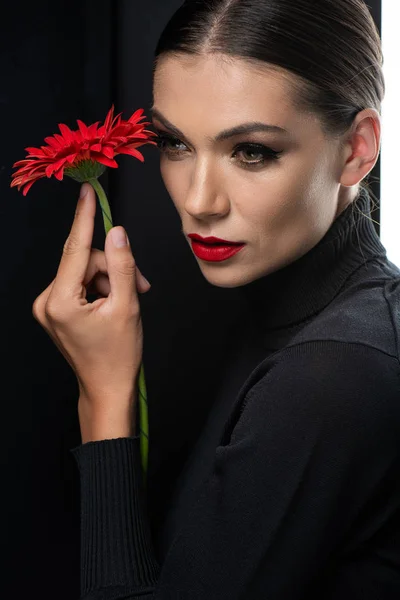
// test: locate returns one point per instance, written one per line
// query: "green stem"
(143, 408)
(105, 207)
(143, 419)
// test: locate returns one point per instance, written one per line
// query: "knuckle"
(54, 313)
(71, 245)
(98, 258)
(133, 311)
(134, 308)
(96, 252)
(126, 266)
(37, 309)
(128, 312)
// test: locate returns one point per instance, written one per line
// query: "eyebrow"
(227, 133)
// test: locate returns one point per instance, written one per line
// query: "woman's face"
(281, 204)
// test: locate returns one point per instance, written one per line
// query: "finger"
(121, 269)
(77, 248)
(143, 285)
(96, 277)
(100, 285)
(97, 264)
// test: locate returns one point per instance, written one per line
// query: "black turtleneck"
(292, 490)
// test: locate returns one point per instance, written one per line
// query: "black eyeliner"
(267, 152)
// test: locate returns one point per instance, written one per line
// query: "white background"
(390, 149)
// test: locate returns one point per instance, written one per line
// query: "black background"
(61, 61)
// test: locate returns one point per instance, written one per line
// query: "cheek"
(173, 182)
(285, 199)
(277, 211)
(268, 204)
(167, 175)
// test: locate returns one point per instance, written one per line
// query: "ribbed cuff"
(116, 545)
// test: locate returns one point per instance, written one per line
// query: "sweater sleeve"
(303, 495)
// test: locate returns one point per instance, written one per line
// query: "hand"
(103, 340)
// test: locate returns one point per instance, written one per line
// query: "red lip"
(211, 239)
(216, 252)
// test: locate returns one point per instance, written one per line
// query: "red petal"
(17, 174)
(109, 117)
(120, 130)
(59, 174)
(136, 116)
(121, 139)
(92, 130)
(49, 151)
(49, 170)
(132, 152)
(52, 142)
(104, 160)
(60, 163)
(117, 118)
(78, 137)
(26, 161)
(96, 147)
(83, 128)
(60, 139)
(35, 151)
(36, 168)
(24, 179)
(52, 167)
(28, 187)
(108, 151)
(66, 132)
(140, 136)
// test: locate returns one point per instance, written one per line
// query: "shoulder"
(333, 388)
(331, 369)
(366, 311)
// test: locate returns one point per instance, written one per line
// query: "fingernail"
(119, 237)
(84, 190)
(146, 280)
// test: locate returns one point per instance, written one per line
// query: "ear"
(362, 147)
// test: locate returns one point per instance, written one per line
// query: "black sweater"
(292, 490)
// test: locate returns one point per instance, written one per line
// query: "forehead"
(221, 87)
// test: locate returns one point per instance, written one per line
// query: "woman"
(293, 489)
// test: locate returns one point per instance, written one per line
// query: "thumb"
(122, 269)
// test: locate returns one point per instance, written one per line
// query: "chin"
(226, 280)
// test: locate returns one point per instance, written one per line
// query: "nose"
(206, 199)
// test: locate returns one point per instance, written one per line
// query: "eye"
(168, 140)
(256, 149)
(166, 143)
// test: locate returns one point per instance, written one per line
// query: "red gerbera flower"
(85, 153)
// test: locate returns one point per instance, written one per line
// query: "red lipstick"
(214, 249)
(211, 239)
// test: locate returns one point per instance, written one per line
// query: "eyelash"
(267, 153)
